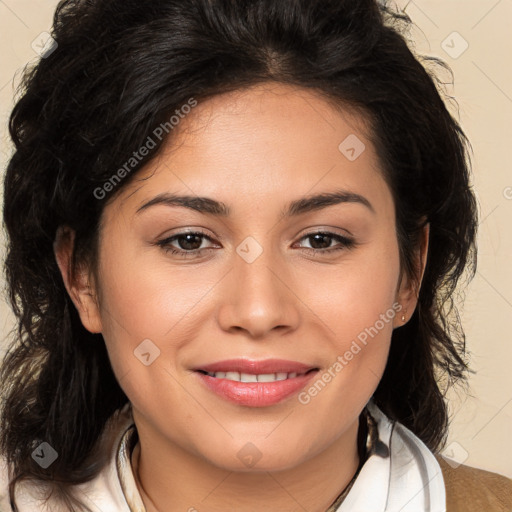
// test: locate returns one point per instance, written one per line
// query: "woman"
(234, 232)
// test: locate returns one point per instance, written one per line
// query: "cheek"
(141, 301)
(357, 306)
(144, 293)
(351, 295)
(356, 302)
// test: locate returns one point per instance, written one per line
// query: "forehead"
(262, 144)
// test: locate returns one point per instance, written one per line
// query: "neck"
(182, 482)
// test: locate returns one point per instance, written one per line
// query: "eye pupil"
(189, 244)
(320, 236)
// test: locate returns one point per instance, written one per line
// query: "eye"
(321, 241)
(187, 244)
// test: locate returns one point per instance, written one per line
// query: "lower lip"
(256, 394)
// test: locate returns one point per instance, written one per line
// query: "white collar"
(402, 475)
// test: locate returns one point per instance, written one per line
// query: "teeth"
(249, 377)
(267, 377)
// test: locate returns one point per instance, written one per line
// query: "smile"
(255, 383)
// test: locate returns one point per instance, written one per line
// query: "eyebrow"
(297, 207)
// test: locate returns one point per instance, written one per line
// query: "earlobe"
(409, 289)
(78, 284)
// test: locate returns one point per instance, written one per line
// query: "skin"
(255, 150)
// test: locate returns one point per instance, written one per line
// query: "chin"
(249, 457)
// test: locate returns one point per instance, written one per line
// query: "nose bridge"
(258, 299)
(257, 278)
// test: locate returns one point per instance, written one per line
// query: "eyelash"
(345, 243)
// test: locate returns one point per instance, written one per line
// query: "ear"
(79, 286)
(409, 288)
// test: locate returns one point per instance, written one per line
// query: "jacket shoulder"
(470, 489)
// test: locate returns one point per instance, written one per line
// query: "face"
(259, 271)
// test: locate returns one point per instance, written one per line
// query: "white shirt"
(401, 475)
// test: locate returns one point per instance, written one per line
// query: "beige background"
(482, 425)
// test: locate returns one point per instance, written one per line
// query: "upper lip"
(256, 366)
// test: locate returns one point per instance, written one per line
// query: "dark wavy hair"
(121, 68)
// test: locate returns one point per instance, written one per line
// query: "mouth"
(255, 383)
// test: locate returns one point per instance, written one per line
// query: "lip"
(256, 394)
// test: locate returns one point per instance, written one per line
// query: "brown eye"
(322, 242)
(185, 244)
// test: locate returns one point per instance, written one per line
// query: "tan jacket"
(475, 490)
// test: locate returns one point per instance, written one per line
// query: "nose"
(257, 298)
